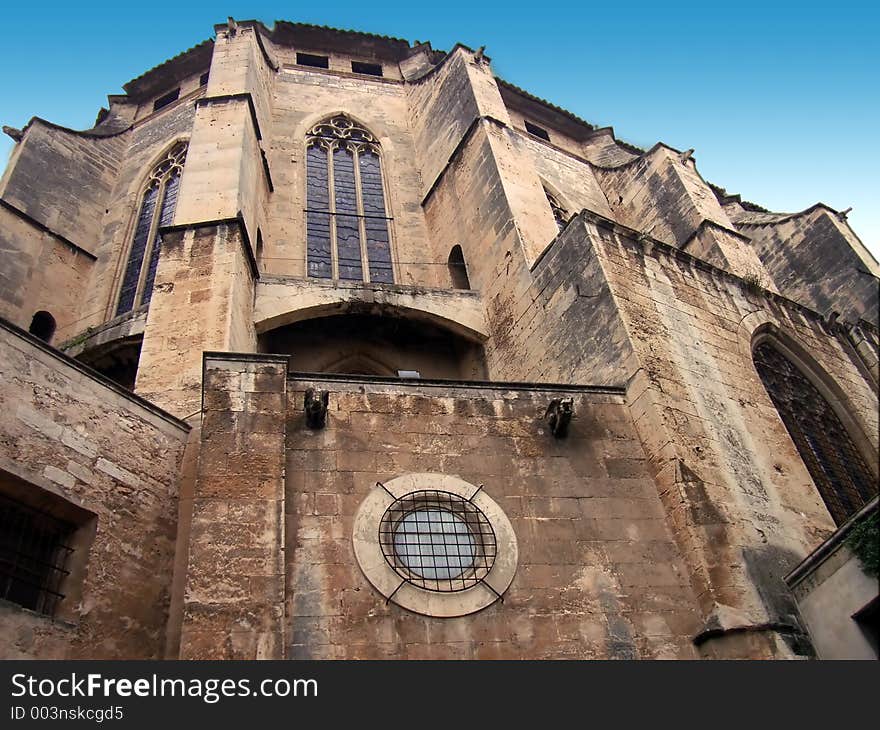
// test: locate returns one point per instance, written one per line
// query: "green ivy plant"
(864, 541)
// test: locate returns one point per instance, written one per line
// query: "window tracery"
(156, 210)
(831, 457)
(348, 227)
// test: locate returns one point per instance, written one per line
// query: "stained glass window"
(156, 210)
(347, 231)
(837, 468)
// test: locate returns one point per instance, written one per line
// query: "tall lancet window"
(156, 210)
(837, 468)
(346, 217)
(560, 214)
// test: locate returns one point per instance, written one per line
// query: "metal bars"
(437, 540)
(33, 555)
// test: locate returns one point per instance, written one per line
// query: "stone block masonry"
(109, 459)
(599, 574)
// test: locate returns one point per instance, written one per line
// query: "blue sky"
(779, 99)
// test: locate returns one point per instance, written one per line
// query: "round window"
(435, 544)
(437, 540)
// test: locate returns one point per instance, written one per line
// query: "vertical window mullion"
(128, 289)
(151, 240)
(359, 205)
(331, 193)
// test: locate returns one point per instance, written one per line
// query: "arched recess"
(812, 407)
(366, 341)
(42, 326)
(359, 364)
(458, 274)
(117, 359)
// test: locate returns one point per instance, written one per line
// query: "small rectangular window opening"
(203, 79)
(34, 548)
(309, 59)
(537, 131)
(164, 101)
(373, 69)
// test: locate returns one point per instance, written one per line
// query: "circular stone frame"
(389, 583)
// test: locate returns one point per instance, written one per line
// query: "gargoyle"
(558, 416)
(316, 407)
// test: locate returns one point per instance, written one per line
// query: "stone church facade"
(322, 344)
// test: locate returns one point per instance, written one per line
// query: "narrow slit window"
(347, 221)
(158, 203)
(838, 470)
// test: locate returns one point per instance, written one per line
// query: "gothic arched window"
(347, 221)
(560, 214)
(156, 210)
(837, 468)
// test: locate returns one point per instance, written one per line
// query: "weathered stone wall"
(442, 106)
(202, 300)
(599, 575)
(816, 259)
(234, 602)
(566, 319)
(737, 493)
(662, 194)
(69, 435)
(44, 274)
(572, 179)
(63, 179)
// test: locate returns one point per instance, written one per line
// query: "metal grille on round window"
(437, 540)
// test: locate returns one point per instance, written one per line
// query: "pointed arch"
(560, 214)
(157, 203)
(348, 225)
(458, 269)
(823, 436)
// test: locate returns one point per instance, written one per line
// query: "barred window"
(348, 227)
(837, 468)
(34, 548)
(156, 210)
